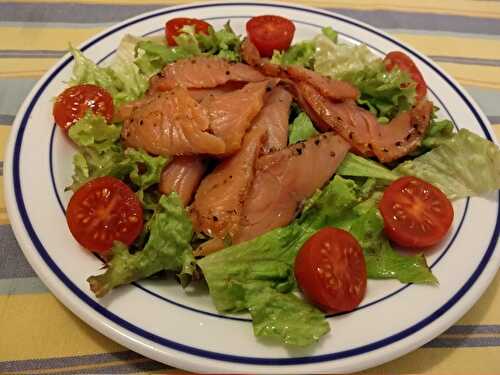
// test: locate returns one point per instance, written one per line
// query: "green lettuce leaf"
(146, 170)
(152, 55)
(266, 261)
(437, 133)
(357, 166)
(99, 150)
(285, 317)
(299, 54)
(384, 93)
(122, 79)
(100, 153)
(167, 249)
(301, 129)
(382, 262)
(464, 165)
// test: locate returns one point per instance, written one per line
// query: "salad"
(283, 175)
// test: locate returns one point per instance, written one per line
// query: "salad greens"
(301, 129)
(258, 276)
(152, 56)
(167, 249)
(384, 93)
(121, 79)
(461, 166)
(101, 154)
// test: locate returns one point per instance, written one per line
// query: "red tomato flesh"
(173, 28)
(406, 64)
(102, 211)
(330, 270)
(416, 214)
(71, 105)
(269, 33)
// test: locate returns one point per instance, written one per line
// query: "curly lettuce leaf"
(152, 56)
(122, 79)
(384, 93)
(100, 153)
(299, 54)
(301, 129)
(464, 165)
(167, 249)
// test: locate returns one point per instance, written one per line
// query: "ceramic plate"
(160, 320)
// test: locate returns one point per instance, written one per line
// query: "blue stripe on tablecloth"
(463, 342)
(24, 285)
(6, 119)
(468, 329)
(13, 264)
(108, 13)
(26, 54)
(99, 360)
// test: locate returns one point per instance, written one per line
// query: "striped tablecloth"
(39, 335)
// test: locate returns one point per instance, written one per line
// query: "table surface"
(39, 335)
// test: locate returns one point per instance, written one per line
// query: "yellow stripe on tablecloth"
(4, 138)
(438, 361)
(456, 7)
(31, 326)
(25, 67)
(16, 38)
(442, 45)
(474, 75)
(496, 129)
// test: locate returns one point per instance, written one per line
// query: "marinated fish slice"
(183, 175)
(232, 114)
(202, 72)
(171, 123)
(200, 94)
(331, 88)
(218, 203)
(285, 178)
(388, 142)
(404, 133)
(274, 118)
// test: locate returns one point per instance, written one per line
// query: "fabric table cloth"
(38, 335)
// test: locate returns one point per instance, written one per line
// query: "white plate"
(158, 319)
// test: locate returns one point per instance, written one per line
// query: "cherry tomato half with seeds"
(406, 64)
(71, 105)
(269, 33)
(102, 211)
(330, 270)
(416, 214)
(173, 28)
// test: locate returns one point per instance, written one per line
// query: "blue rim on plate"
(210, 354)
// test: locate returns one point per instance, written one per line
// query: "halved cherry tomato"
(330, 270)
(173, 28)
(102, 211)
(269, 33)
(72, 103)
(416, 214)
(405, 63)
